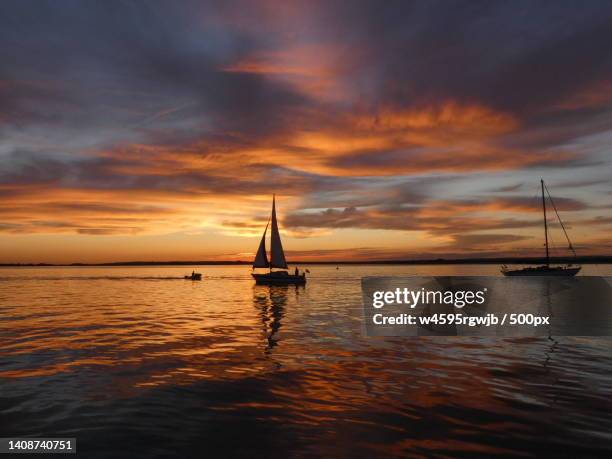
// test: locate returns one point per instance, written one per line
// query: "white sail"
(277, 255)
(261, 259)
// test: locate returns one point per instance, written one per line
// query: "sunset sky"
(159, 130)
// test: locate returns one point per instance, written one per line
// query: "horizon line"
(588, 259)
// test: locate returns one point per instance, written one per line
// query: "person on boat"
(297, 271)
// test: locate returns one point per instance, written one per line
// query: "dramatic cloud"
(433, 120)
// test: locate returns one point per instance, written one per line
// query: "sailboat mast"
(545, 223)
(273, 219)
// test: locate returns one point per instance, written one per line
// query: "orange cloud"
(163, 186)
(449, 137)
(309, 68)
(598, 95)
(465, 120)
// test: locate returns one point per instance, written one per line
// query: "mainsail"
(261, 259)
(277, 255)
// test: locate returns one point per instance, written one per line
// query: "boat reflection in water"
(271, 301)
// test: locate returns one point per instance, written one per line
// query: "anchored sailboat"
(546, 269)
(277, 258)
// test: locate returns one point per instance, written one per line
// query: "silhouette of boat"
(277, 258)
(194, 276)
(546, 269)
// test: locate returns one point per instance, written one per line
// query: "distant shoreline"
(606, 259)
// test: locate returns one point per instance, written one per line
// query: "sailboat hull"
(279, 278)
(560, 271)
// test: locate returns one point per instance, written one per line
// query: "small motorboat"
(194, 276)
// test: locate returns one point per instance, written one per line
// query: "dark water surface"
(135, 362)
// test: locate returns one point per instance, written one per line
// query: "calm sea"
(137, 362)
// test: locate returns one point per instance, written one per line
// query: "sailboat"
(546, 269)
(277, 258)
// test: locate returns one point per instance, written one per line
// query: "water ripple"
(221, 366)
